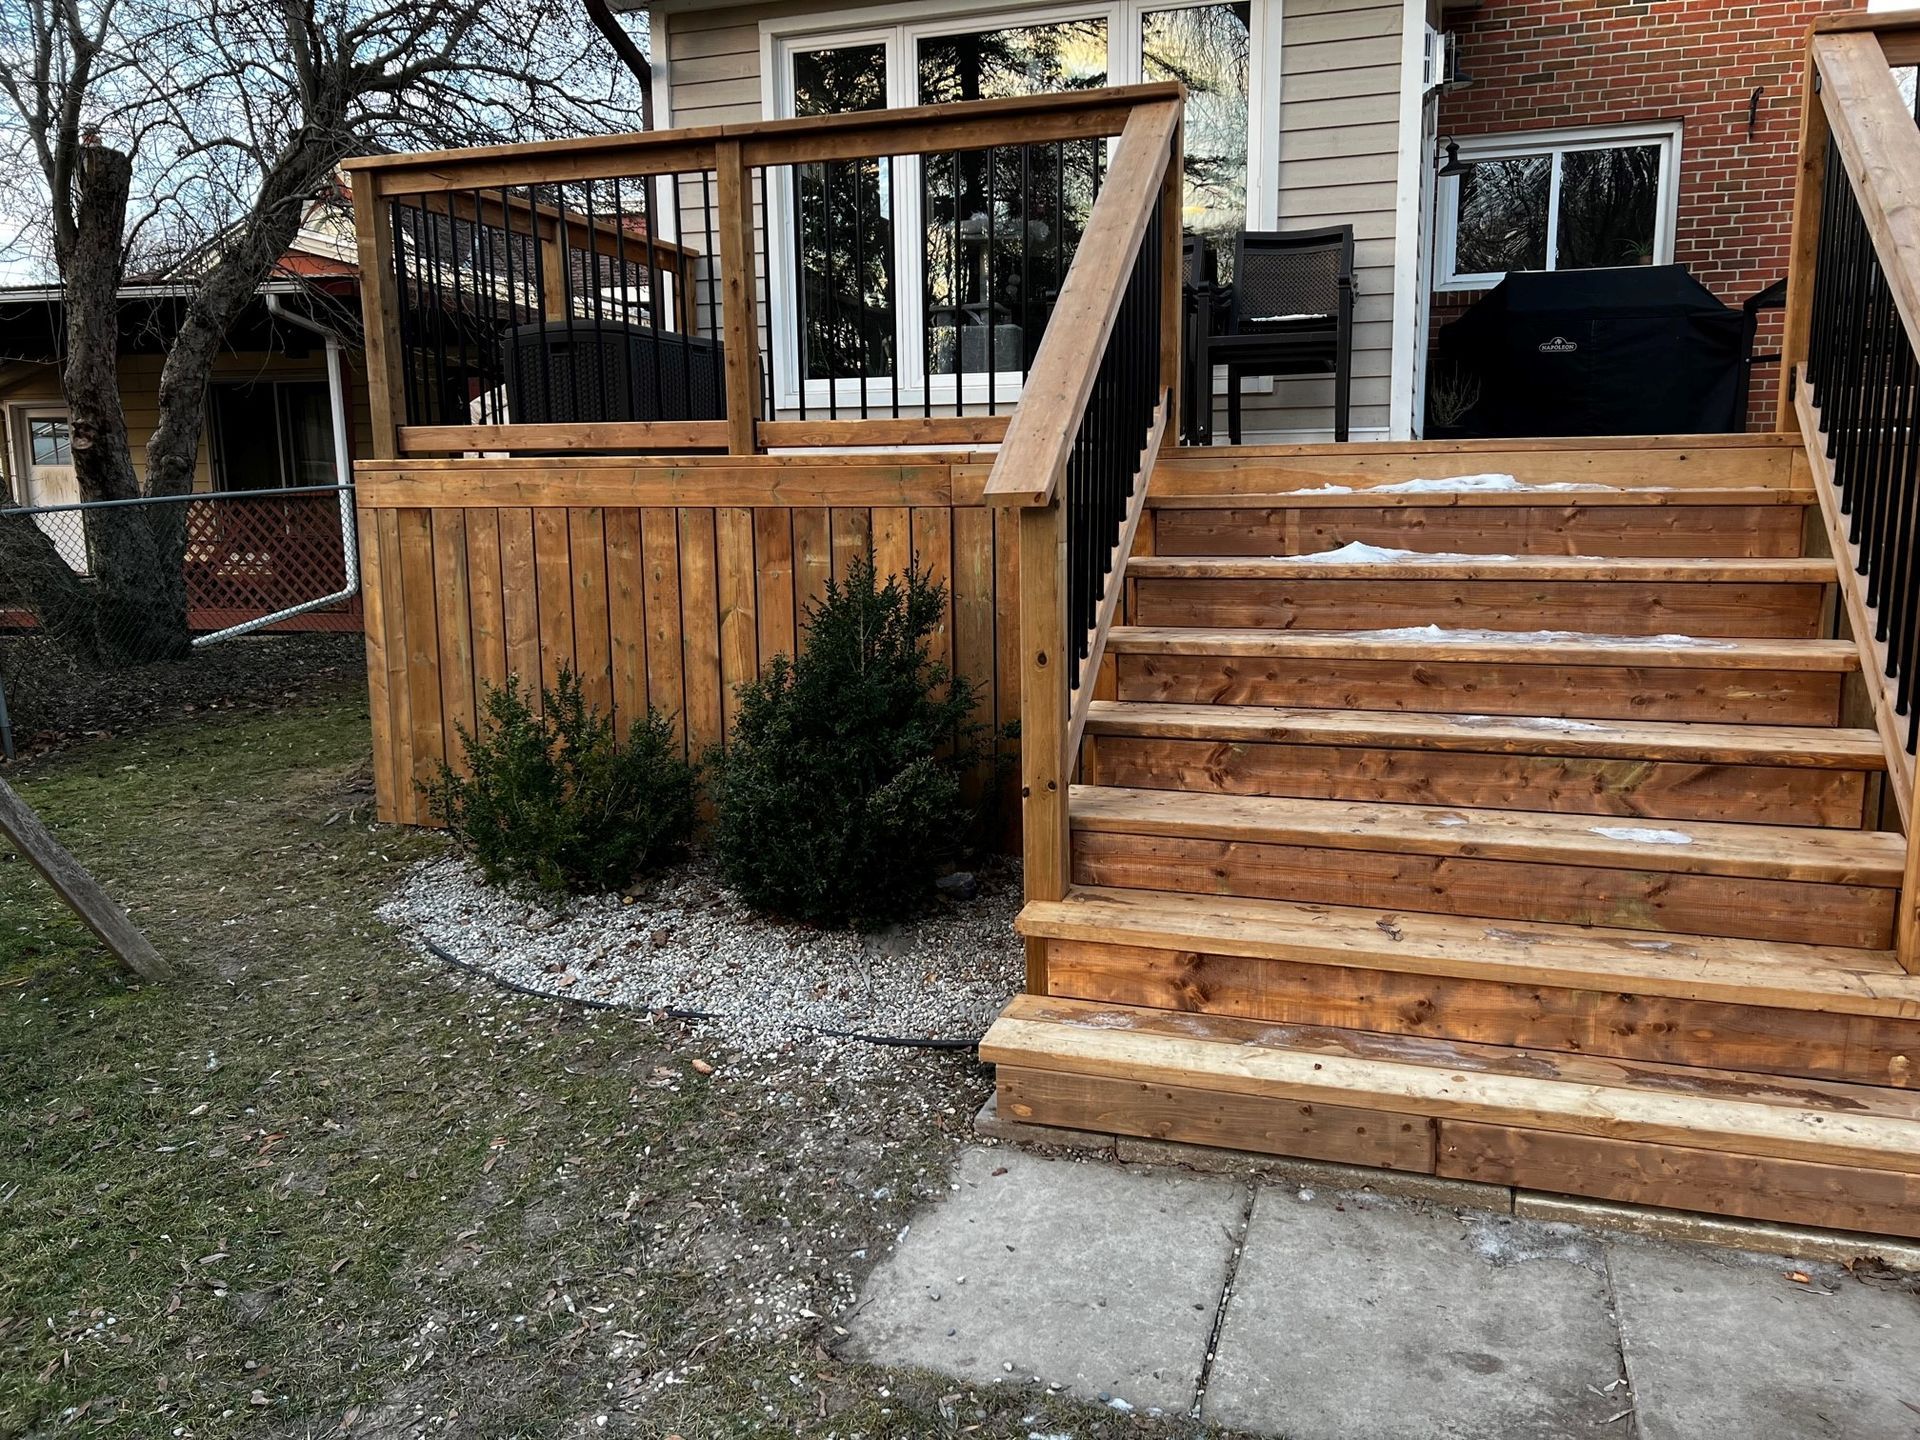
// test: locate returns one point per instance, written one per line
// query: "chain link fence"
(111, 608)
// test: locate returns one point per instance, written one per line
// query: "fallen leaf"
(700, 1067)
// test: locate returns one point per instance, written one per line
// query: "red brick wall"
(1554, 65)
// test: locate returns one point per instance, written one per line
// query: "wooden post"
(1172, 318)
(79, 889)
(1809, 185)
(737, 297)
(1043, 713)
(379, 316)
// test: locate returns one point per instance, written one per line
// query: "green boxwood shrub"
(551, 800)
(839, 794)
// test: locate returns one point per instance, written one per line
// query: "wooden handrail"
(921, 129)
(1853, 117)
(1033, 459)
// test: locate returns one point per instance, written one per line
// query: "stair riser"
(1775, 795)
(1785, 611)
(1755, 1039)
(1676, 1177)
(1786, 910)
(1677, 532)
(1590, 692)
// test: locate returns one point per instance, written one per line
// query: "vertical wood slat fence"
(1848, 376)
(660, 583)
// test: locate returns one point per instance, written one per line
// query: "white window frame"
(1557, 144)
(899, 28)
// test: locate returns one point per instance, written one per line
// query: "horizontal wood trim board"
(1623, 1100)
(601, 435)
(1617, 1022)
(652, 600)
(747, 484)
(919, 129)
(908, 430)
(1816, 977)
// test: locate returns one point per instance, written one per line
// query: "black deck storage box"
(1637, 350)
(579, 372)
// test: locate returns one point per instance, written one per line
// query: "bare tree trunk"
(138, 609)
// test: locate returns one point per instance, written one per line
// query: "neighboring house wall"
(1547, 65)
(1337, 158)
(23, 385)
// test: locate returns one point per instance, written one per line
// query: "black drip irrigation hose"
(903, 1042)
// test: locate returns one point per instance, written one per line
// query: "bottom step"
(1802, 1152)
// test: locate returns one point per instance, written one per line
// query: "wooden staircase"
(1555, 853)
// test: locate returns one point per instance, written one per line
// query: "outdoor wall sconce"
(1453, 164)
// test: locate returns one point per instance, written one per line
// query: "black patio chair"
(1289, 312)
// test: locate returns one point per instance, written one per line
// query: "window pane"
(308, 416)
(1209, 48)
(1503, 216)
(51, 439)
(1001, 225)
(845, 234)
(246, 438)
(1608, 200)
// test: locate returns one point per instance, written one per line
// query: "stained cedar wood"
(1783, 693)
(520, 598)
(1709, 1109)
(1614, 1022)
(597, 435)
(626, 617)
(1680, 1177)
(1045, 767)
(660, 556)
(592, 630)
(700, 629)
(828, 137)
(453, 621)
(1872, 130)
(738, 301)
(1861, 621)
(425, 703)
(1676, 531)
(1792, 911)
(1033, 458)
(1191, 1116)
(375, 588)
(739, 622)
(1809, 188)
(553, 581)
(488, 605)
(1827, 978)
(774, 582)
(1627, 788)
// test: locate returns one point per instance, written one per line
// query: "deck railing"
(881, 278)
(1076, 463)
(1850, 383)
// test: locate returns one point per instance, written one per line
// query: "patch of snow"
(1451, 820)
(1356, 552)
(1492, 484)
(1642, 836)
(1552, 723)
(1659, 947)
(1539, 637)
(1503, 1240)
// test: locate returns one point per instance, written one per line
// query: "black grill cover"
(1635, 350)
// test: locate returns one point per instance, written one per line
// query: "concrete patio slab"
(1098, 1278)
(1723, 1346)
(1361, 1319)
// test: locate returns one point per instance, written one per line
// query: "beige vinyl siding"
(1338, 162)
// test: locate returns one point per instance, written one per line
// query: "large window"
(927, 276)
(1572, 201)
(269, 435)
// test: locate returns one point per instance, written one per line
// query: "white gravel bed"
(686, 943)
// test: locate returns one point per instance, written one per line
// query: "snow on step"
(1469, 636)
(1492, 484)
(1641, 835)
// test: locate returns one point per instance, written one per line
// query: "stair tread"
(1821, 856)
(1825, 978)
(1432, 642)
(1815, 1120)
(1370, 497)
(1414, 565)
(1685, 741)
